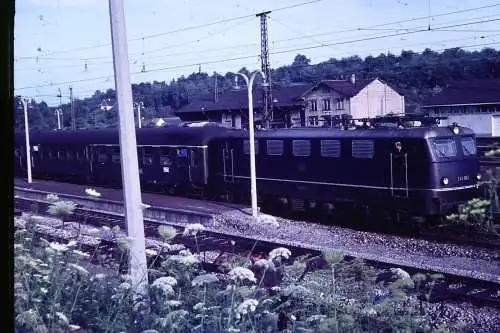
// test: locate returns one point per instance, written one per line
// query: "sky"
(63, 43)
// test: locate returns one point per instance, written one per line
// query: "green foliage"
(416, 75)
(61, 208)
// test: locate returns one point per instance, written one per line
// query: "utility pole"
(216, 89)
(73, 119)
(266, 69)
(128, 147)
(59, 94)
(27, 138)
(58, 113)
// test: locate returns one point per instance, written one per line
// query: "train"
(411, 166)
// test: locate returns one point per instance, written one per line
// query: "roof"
(343, 87)
(383, 132)
(467, 92)
(238, 99)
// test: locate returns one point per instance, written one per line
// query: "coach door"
(228, 162)
(197, 165)
(399, 171)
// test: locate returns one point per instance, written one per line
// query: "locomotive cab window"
(147, 157)
(330, 148)
(246, 147)
(445, 147)
(275, 147)
(468, 146)
(301, 147)
(102, 158)
(362, 149)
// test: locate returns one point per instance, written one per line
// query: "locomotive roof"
(382, 132)
(189, 136)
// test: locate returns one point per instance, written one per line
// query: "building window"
(362, 148)
(330, 148)
(326, 104)
(313, 121)
(246, 147)
(301, 147)
(314, 105)
(340, 104)
(275, 147)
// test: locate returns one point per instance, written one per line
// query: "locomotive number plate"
(462, 178)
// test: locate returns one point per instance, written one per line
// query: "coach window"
(362, 149)
(330, 148)
(301, 147)
(275, 147)
(52, 155)
(165, 159)
(115, 155)
(468, 146)
(69, 155)
(246, 147)
(147, 158)
(60, 155)
(445, 148)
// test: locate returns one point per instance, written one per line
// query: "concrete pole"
(27, 133)
(58, 114)
(253, 176)
(139, 113)
(128, 145)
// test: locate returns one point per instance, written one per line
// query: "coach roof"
(187, 136)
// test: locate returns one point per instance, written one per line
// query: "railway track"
(452, 288)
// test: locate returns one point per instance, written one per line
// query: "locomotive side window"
(69, 155)
(102, 158)
(301, 147)
(275, 147)
(445, 148)
(61, 154)
(330, 148)
(246, 147)
(362, 149)
(165, 160)
(468, 146)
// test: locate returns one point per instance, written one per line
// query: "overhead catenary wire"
(151, 36)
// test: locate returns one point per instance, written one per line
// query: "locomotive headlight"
(456, 130)
(445, 180)
(478, 176)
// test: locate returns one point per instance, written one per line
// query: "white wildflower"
(106, 228)
(93, 231)
(198, 306)
(81, 254)
(265, 264)
(151, 252)
(74, 327)
(59, 248)
(280, 252)
(124, 286)
(204, 279)
(400, 274)
(170, 280)
(99, 276)
(72, 243)
(167, 232)
(276, 288)
(267, 220)
(193, 229)
(93, 193)
(315, 318)
(247, 306)
(370, 312)
(173, 303)
(242, 274)
(78, 268)
(165, 284)
(62, 317)
(43, 290)
(293, 318)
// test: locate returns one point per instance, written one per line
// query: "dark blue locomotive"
(419, 170)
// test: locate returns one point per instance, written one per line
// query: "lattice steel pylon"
(266, 69)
